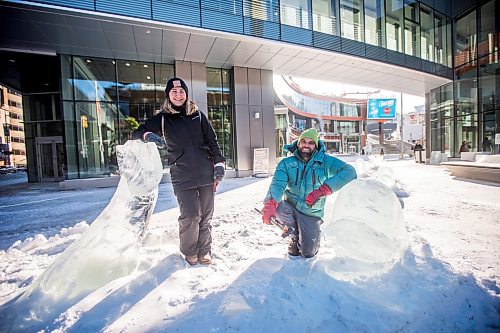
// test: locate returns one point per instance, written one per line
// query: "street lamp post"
(401, 129)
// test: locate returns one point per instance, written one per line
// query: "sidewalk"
(12, 184)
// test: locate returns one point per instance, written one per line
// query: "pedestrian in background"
(196, 166)
(464, 147)
(486, 145)
(298, 191)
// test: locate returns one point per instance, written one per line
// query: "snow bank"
(445, 281)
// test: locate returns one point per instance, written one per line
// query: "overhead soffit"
(51, 30)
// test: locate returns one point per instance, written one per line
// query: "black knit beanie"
(176, 82)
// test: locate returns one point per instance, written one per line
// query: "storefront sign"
(381, 108)
(261, 161)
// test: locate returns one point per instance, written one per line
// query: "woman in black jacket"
(196, 166)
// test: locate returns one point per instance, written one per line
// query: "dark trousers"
(305, 228)
(195, 229)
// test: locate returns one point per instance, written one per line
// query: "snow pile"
(446, 281)
(78, 228)
(39, 240)
(29, 243)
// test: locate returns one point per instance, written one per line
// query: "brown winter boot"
(206, 259)
(293, 248)
(192, 260)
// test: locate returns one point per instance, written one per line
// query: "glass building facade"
(468, 109)
(104, 100)
(100, 100)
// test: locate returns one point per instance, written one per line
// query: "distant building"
(12, 147)
(414, 125)
(338, 119)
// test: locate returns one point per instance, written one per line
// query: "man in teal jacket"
(298, 191)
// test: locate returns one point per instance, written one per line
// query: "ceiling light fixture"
(145, 66)
(127, 64)
(148, 77)
(89, 61)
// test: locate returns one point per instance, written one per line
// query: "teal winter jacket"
(293, 179)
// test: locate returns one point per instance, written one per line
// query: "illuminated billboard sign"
(381, 108)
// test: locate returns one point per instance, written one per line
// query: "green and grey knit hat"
(310, 133)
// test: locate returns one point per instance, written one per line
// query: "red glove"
(269, 210)
(323, 191)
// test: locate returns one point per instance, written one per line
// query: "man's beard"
(305, 152)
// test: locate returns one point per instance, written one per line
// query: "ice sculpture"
(106, 251)
(366, 230)
(385, 175)
(360, 167)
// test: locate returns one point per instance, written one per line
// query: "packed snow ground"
(446, 281)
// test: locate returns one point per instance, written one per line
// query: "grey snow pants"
(304, 227)
(195, 230)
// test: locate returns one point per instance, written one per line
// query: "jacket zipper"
(303, 172)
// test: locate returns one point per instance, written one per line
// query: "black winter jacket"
(191, 146)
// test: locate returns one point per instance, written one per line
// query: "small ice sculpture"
(366, 231)
(360, 167)
(385, 174)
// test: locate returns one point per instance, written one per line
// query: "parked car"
(5, 169)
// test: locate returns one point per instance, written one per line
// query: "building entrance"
(50, 156)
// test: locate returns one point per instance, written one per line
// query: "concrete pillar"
(254, 123)
(195, 76)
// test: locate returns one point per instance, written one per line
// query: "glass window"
(488, 28)
(94, 79)
(426, 33)
(441, 121)
(488, 128)
(295, 13)
(96, 144)
(394, 24)
(351, 19)
(66, 78)
(465, 38)
(441, 26)
(466, 89)
(374, 22)
(348, 127)
(220, 111)
(324, 19)
(489, 83)
(266, 10)
(411, 10)
(136, 90)
(70, 140)
(412, 38)
(163, 73)
(412, 28)
(350, 110)
(466, 131)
